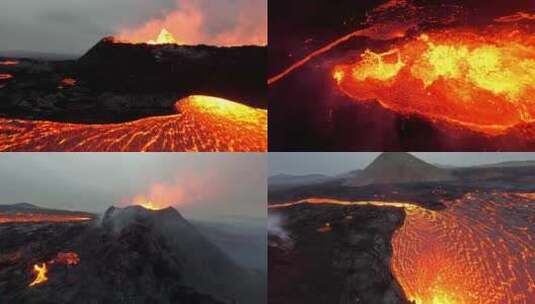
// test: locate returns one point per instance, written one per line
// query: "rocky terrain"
(117, 82)
(333, 254)
(130, 255)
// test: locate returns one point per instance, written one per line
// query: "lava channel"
(6, 218)
(202, 123)
(483, 79)
(479, 250)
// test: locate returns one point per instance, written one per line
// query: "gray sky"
(203, 185)
(73, 26)
(335, 163)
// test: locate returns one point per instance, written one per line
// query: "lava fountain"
(480, 249)
(202, 123)
(164, 38)
(481, 79)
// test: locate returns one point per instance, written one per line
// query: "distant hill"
(395, 168)
(38, 55)
(521, 163)
(288, 179)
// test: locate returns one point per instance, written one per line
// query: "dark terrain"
(117, 82)
(130, 255)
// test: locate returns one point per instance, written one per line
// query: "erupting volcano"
(130, 95)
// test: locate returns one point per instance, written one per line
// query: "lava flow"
(40, 274)
(41, 270)
(483, 80)
(202, 123)
(5, 76)
(480, 249)
(9, 62)
(40, 218)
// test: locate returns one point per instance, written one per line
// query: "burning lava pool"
(480, 79)
(202, 123)
(480, 249)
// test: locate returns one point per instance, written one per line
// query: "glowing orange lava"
(5, 76)
(479, 250)
(480, 79)
(67, 82)
(164, 38)
(151, 205)
(40, 274)
(202, 123)
(67, 258)
(40, 218)
(9, 62)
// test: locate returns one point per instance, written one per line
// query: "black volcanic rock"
(333, 254)
(399, 167)
(118, 82)
(134, 255)
(237, 73)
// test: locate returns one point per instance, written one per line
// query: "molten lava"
(67, 82)
(40, 218)
(479, 250)
(67, 258)
(5, 76)
(9, 62)
(164, 38)
(202, 123)
(150, 205)
(40, 274)
(483, 80)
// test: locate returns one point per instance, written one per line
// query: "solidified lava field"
(402, 75)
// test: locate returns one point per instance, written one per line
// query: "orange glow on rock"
(67, 82)
(202, 123)
(5, 76)
(40, 274)
(9, 62)
(67, 258)
(480, 79)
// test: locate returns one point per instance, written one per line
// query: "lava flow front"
(40, 218)
(480, 79)
(202, 123)
(480, 249)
